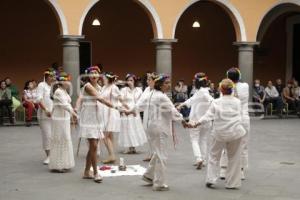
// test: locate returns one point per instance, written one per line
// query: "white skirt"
(91, 122)
(132, 132)
(111, 120)
(61, 156)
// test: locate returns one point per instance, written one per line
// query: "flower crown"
(63, 77)
(50, 71)
(92, 68)
(228, 87)
(161, 77)
(130, 75)
(234, 69)
(201, 76)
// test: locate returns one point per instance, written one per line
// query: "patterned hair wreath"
(161, 77)
(234, 70)
(93, 68)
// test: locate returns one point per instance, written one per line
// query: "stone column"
(71, 61)
(245, 61)
(164, 55)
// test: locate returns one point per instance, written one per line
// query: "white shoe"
(222, 173)
(243, 175)
(161, 188)
(46, 161)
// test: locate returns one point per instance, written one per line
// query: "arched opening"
(278, 53)
(122, 42)
(208, 48)
(29, 39)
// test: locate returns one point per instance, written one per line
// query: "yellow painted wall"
(252, 12)
(73, 10)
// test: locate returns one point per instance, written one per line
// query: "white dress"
(111, 117)
(91, 116)
(61, 156)
(132, 131)
(43, 96)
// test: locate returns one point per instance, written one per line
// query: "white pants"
(157, 166)
(150, 150)
(233, 175)
(244, 151)
(45, 125)
(199, 135)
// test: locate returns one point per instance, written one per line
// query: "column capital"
(164, 41)
(246, 44)
(71, 40)
(72, 37)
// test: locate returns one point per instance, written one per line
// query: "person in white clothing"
(144, 100)
(45, 108)
(227, 133)
(241, 91)
(132, 131)
(111, 117)
(62, 156)
(161, 115)
(90, 121)
(199, 104)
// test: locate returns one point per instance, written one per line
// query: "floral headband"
(111, 76)
(228, 87)
(63, 77)
(234, 69)
(93, 68)
(201, 76)
(130, 75)
(161, 77)
(50, 71)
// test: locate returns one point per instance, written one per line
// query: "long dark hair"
(54, 87)
(159, 81)
(133, 77)
(201, 80)
(26, 85)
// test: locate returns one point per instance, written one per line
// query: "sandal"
(109, 161)
(98, 178)
(199, 165)
(89, 176)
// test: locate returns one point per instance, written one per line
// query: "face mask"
(256, 85)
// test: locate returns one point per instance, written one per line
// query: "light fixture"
(96, 22)
(196, 24)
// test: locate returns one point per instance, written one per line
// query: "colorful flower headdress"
(161, 77)
(63, 76)
(200, 76)
(93, 68)
(226, 86)
(50, 71)
(130, 75)
(111, 76)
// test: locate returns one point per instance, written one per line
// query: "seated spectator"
(14, 93)
(29, 101)
(5, 102)
(181, 95)
(289, 97)
(192, 89)
(180, 92)
(297, 90)
(259, 93)
(279, 86)
(213, 91)
(272, 96)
